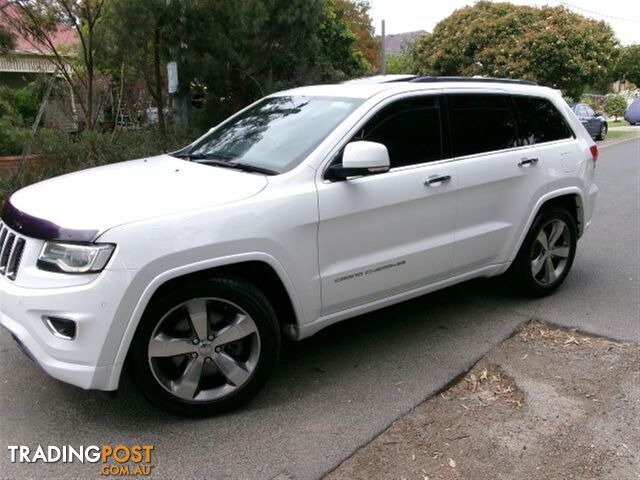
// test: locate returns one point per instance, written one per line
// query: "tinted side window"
(481, 123)
(539, 121)
(409, 128)
(589, 111)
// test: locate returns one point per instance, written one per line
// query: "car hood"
(81, 205)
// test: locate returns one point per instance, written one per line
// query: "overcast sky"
(409, 15)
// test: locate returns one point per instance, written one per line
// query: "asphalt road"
(336, 391)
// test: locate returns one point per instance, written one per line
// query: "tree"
(615, 105)
(235, 52)
(340, 60)
(399, 63)
(39, 21)
(550, 45)
(230, 53)
(628, 66)
(356, 16)
(146, 27)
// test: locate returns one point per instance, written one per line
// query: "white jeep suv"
(308, 207)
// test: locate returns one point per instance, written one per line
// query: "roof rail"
(472, 80)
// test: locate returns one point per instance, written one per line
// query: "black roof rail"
(472, 80)
(408, 78)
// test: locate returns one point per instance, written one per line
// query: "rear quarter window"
(539, 121)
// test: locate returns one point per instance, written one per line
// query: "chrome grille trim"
(11, 249)
(14, 259)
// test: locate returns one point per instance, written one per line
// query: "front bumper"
(87, 361)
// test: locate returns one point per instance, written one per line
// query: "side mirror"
(361, 158)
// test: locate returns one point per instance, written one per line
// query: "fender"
(156, 282)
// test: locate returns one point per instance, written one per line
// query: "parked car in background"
(632, 115)
(595, 123)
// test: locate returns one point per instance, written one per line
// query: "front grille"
(11, 249)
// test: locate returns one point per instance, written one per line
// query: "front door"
(386, 233)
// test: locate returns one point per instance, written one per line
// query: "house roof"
(397, 42)
(63, 35)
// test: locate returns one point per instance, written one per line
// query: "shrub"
(20, 104)
(615, 105)
(61, 152)
(12, 137)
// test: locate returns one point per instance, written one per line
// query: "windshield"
(274, 135)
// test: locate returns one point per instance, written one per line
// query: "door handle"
(526, 162)
(435, 180)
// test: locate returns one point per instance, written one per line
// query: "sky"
(409, 15)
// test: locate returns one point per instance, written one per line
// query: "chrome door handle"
(435, 180)
(526, 162)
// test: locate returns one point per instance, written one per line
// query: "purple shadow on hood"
(35, 227)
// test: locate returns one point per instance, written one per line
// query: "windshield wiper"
(209, 160)
(191, 156)
(245, 167)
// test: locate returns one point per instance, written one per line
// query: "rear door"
(497, 178)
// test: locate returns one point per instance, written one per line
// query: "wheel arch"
(571, 199)
(257, 272)
(272, 278)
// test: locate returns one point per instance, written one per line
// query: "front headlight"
(74, 258)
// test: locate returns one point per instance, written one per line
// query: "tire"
(603, 132)
(536, 270)
(205, 348)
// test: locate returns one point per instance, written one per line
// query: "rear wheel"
(205, 348)
(547, 253)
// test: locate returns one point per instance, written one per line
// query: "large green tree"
(339, 59)
(356, 15)
(628, 66)
(230, 53)
(235, 52)
(550, 45)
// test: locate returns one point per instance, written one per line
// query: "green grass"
(620, 133)
(618, 123)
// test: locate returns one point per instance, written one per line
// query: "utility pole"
(383, 60)
(179, 89)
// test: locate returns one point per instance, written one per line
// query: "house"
(399, 42)
(30, 59)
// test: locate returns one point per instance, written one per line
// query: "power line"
(592, 12)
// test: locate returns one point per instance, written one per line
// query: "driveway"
(338, 390)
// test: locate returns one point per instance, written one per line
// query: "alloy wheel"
(204, 349)
(551, 251)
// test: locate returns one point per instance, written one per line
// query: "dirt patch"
(547, 403)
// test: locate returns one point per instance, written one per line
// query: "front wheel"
(547, 253)
(602, 134)
(205, 348)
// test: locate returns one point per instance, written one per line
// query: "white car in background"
(308, 207)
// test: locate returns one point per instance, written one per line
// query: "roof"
(380, 79)
(365, 90)
(63, 35)
(398, 42)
